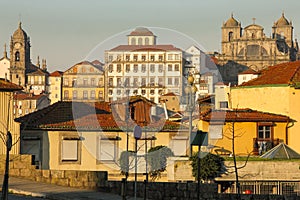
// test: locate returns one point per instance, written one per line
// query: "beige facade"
(250, 46)
(4, 65)
(84, 82)
(55, 86)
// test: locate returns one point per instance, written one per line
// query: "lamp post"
(137, 131)
(5, 180)
(190, 92)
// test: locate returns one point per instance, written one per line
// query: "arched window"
(66, 94)
(146, 41)
(281, 35)
(253, 35)
(17, 56)
(132, 41)
(140, 41)
(230, 36)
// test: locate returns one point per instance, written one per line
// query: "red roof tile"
(23, 96)
(145, 48)
(249, 71)
(242, 115)
(57, 73)
(8, 86)
(84, 116)
(284, 73)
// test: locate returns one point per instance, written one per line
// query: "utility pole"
(6, 174)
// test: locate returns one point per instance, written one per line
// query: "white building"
(4, 65)
(222, 96)
(143, 68)
(247, 76)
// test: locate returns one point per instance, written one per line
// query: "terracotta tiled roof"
(145, 48)
(169, 94)
(8, 86)
(99, 67)
(84, 116)
(57, 74)
(133, 99)
(27, 96)
(249, 71)
(141, 31)
(284, 73)
(242, 115)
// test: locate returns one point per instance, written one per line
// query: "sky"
(64, 32)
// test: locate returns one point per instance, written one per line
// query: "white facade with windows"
(143, 68)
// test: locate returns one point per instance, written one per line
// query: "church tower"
(19, 56)
(283, 30)
(231, 32)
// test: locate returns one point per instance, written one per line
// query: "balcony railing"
(260, 146)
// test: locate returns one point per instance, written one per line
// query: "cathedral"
(250, 47)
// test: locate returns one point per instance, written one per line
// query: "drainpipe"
(287, 131)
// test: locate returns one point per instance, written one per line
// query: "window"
(160, 58)
(85, 82)
(127, 92)
(66, 94)
(93, 94)
(107, 150)
(152, 68)
(119, 68)
(230, 36)
(135, 68)
(118, 92)
(177, 67)
(143, 92)
(146, 41)
(127, 57)
(74, 82)
(100, 95)
(110, 58)
(169, 68)
(110, 68)
(110, 92)
(133, 42)
(152, 81)
(143, 82)
(140, 41)
(91, 69)
(152, 57)
(170, 81)
(160, 68)
(170, 57)
(161, 81)
(152, 92)
(127, 68)
(223, 104)
(179, 146)
(216, 132)
(119, 81)
(110, 82)
(85, 94)
(135, 57)
(93, 82)
(127, 81)
(83, 70)
(135, 82)
(100, 81)
(17, 56)
(143, 58)
(70, 150)
(75, 94)
(177, 57)
(264, 132)
(143, 68)
(135, 92)
(66, 82)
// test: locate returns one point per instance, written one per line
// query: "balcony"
(260, 146)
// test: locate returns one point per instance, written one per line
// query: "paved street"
(22, 197)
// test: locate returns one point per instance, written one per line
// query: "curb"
(26, 193)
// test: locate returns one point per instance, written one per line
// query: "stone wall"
(21, 166)
(166, 190)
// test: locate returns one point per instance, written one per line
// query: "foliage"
(157, 160)
(211, 166)
(124, 162)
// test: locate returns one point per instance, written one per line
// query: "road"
(20, 197)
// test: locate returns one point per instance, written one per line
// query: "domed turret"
(282, 21)
(20, 33)
(231, 22)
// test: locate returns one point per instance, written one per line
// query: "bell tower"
(19, 56)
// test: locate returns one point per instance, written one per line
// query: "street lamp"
(190, 92)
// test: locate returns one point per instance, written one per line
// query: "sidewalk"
(49, 191)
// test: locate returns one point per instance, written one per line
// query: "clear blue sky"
(65, 31)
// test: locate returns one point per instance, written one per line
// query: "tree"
(125, 163)
(157, 160)
(211, 166)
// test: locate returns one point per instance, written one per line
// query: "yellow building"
(254, 132)
(91, 136)
(276, 90)
(7, 122)
(55, 86)
(84, 82)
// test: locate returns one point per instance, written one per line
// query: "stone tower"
(19, 56)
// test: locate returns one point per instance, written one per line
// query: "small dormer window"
(17, 56)
(146, 41)
(140, 41)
